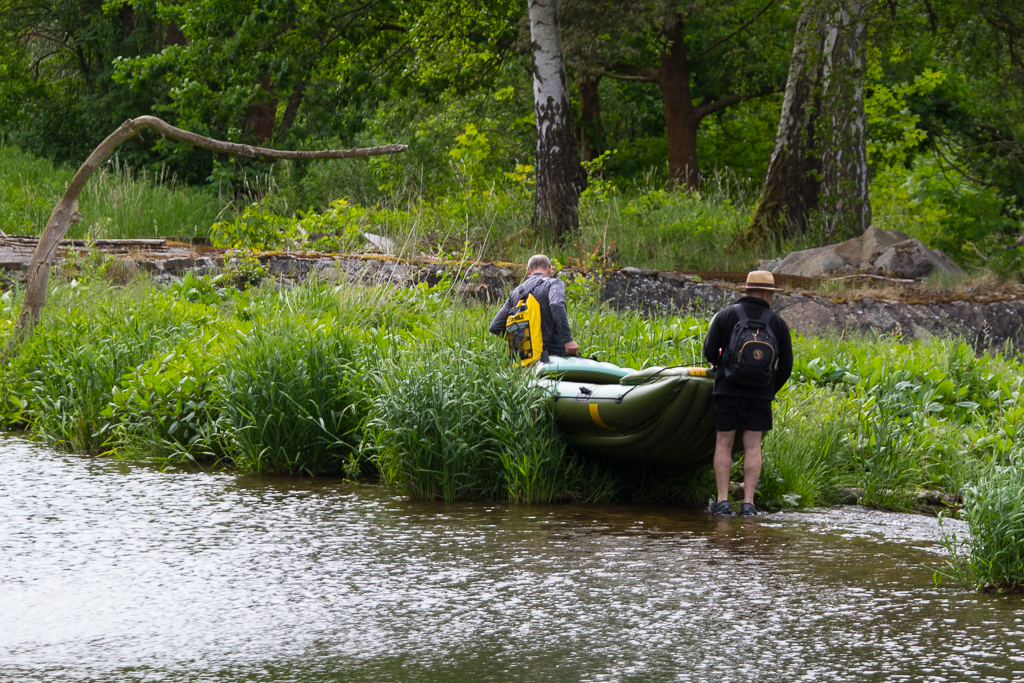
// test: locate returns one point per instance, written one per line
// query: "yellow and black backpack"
(522, 328)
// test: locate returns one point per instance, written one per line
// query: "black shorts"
(735, 412)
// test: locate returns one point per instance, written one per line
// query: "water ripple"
(120, 573)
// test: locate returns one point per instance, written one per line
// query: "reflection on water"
(116, 573)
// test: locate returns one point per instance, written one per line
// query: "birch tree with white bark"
(792, 184)
(845, 205)
(820, 158)
(558, 176)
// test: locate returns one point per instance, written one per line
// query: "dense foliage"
(944, 99)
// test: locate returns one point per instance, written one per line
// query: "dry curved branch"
(66, 211)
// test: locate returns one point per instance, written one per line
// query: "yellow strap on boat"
(597, 418)
(697, 372)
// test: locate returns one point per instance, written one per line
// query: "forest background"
(665, 96)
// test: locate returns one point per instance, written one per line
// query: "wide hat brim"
(760, 279)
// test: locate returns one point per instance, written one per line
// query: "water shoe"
(719, 508)
(748, 510)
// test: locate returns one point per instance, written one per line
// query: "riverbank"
(405, 384)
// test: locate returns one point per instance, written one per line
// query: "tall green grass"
(651, 227)
(452, 421)
(118, 202)
(63, 378)
(806, 452)
(293, 401)
(992, 557)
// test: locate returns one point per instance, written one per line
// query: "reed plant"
(458, 421)
(293, 401)
(992, 556)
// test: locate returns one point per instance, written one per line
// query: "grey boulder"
(877, 252)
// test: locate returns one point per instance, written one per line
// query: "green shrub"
(166, 410)
(65, 374)
(257, 228)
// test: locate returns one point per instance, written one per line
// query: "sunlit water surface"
(120, 573)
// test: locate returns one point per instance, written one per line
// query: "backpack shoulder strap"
(766, 316)
(527, 287)
(742, 313)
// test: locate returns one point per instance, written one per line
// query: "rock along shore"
(986, 320)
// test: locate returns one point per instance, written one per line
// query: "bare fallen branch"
(66, 210)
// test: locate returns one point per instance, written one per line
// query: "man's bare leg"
(751, 464)
(723, 461)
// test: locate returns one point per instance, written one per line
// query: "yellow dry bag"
(522, 331)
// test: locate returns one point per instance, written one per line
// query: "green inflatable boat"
(656, 415)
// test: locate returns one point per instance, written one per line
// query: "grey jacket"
(554, 313)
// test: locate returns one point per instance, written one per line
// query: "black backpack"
(753, 349)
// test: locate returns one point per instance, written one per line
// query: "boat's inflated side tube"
(602, 409)
(647, 374)
(575, 369)
(666, 415)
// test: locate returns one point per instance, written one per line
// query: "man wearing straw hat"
(750, 347)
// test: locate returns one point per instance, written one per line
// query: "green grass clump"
(807, 449)
(293, 402)
(992, 558)
(168, 375)
(452, 421)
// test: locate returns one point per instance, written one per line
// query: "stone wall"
(984, 325)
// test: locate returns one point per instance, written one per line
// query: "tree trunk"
(127, 19)
(259, 116)
(174, 35)
(681, 119)
(846, 206)
(66, 211)
(556, 200)
(792, 183)
(294, 101)
(590, 117)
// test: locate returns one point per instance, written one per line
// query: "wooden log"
(157, 242)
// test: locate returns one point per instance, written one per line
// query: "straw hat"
(761, 279)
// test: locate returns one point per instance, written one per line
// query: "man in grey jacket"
(554, 314)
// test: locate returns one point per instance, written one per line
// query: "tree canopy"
(676, 88)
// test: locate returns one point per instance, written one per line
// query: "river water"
(111, 572)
